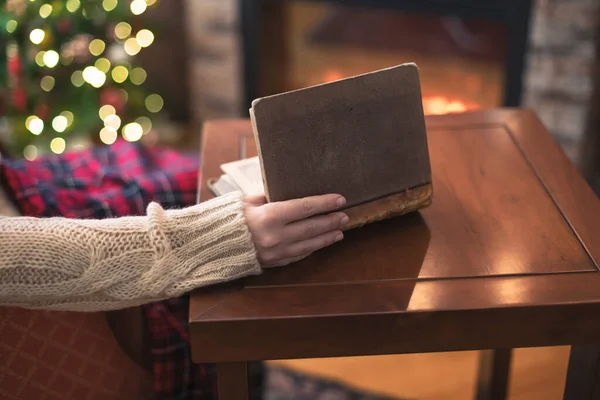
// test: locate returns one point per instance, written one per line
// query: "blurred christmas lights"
(58, 145)
(114, 63)
(37, 36)
(105, 111)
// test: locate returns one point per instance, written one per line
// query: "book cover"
(363, 137)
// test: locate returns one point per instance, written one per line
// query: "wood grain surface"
(506, 256)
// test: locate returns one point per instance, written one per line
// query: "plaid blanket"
(117, 181)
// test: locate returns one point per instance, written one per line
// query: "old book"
(363, 137)
(242, 175)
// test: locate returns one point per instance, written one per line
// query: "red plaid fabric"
(116, 181)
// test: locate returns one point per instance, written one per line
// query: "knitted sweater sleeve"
(97, 265)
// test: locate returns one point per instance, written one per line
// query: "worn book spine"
(395, 205)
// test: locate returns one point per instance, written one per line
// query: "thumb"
(256, 199)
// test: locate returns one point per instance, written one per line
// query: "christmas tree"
(68, 76)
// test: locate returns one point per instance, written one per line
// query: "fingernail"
(339, 237)
(341, 201)
(345, 220)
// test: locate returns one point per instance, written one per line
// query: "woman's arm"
(97, 265)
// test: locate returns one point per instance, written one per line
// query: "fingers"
(298, 209)
(315, 226)
(308, 246)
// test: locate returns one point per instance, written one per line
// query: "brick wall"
(558, 82)
(215, 58)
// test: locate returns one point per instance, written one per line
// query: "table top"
(506, 256)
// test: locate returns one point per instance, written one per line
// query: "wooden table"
(506, 257)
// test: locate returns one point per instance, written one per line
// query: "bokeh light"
(145, 123)
(35, 125)
(45, 10)
(94, 76)
(145, 37)
(122, 30)
(73, 5)
(69, 116)
(133, 132)
(138, 7)
(154, 103)
(132, 47)
(11, 26)
(51, 58)
(47, 83)
(109, 5)
(112, 121)
(120, 74)
(58, 145)
(108, 135)
(105, 111)
(97, 46)
(138, 76)
(103, 64)
(77, 78)
(37, 36)
(30, 152)
(60, 123)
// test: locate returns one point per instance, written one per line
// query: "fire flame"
(432, 105)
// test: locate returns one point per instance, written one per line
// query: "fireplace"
(469, 56)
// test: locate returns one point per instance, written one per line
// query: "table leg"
(493, 374)
(583, 374)
(232, 381)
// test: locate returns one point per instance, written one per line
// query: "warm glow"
(145, 37)
(138, 76)
(103, 64)
(138, 7)
(30, 152)
(132, 47)
(332, 75)
(108, 135)
(37, 36)
(133, 132)
(154, 103)
(58, 145)
(112, 121)
(69, 116)
(11, 26)
(150, 2)
(105, 111)
(39, 58)
(109, 5)
(35, 125)
(97, 46)
(438, 105)
(47, 83)
(51, 58)
(120, 74)
(94, 76)
(145, 123)
(432, 105)
(77, 79)
(73, 5)
(123, 30)
(45, 10)
(60, 123)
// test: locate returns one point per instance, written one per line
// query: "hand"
(288, 231)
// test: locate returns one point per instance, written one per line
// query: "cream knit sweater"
(96, 265)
